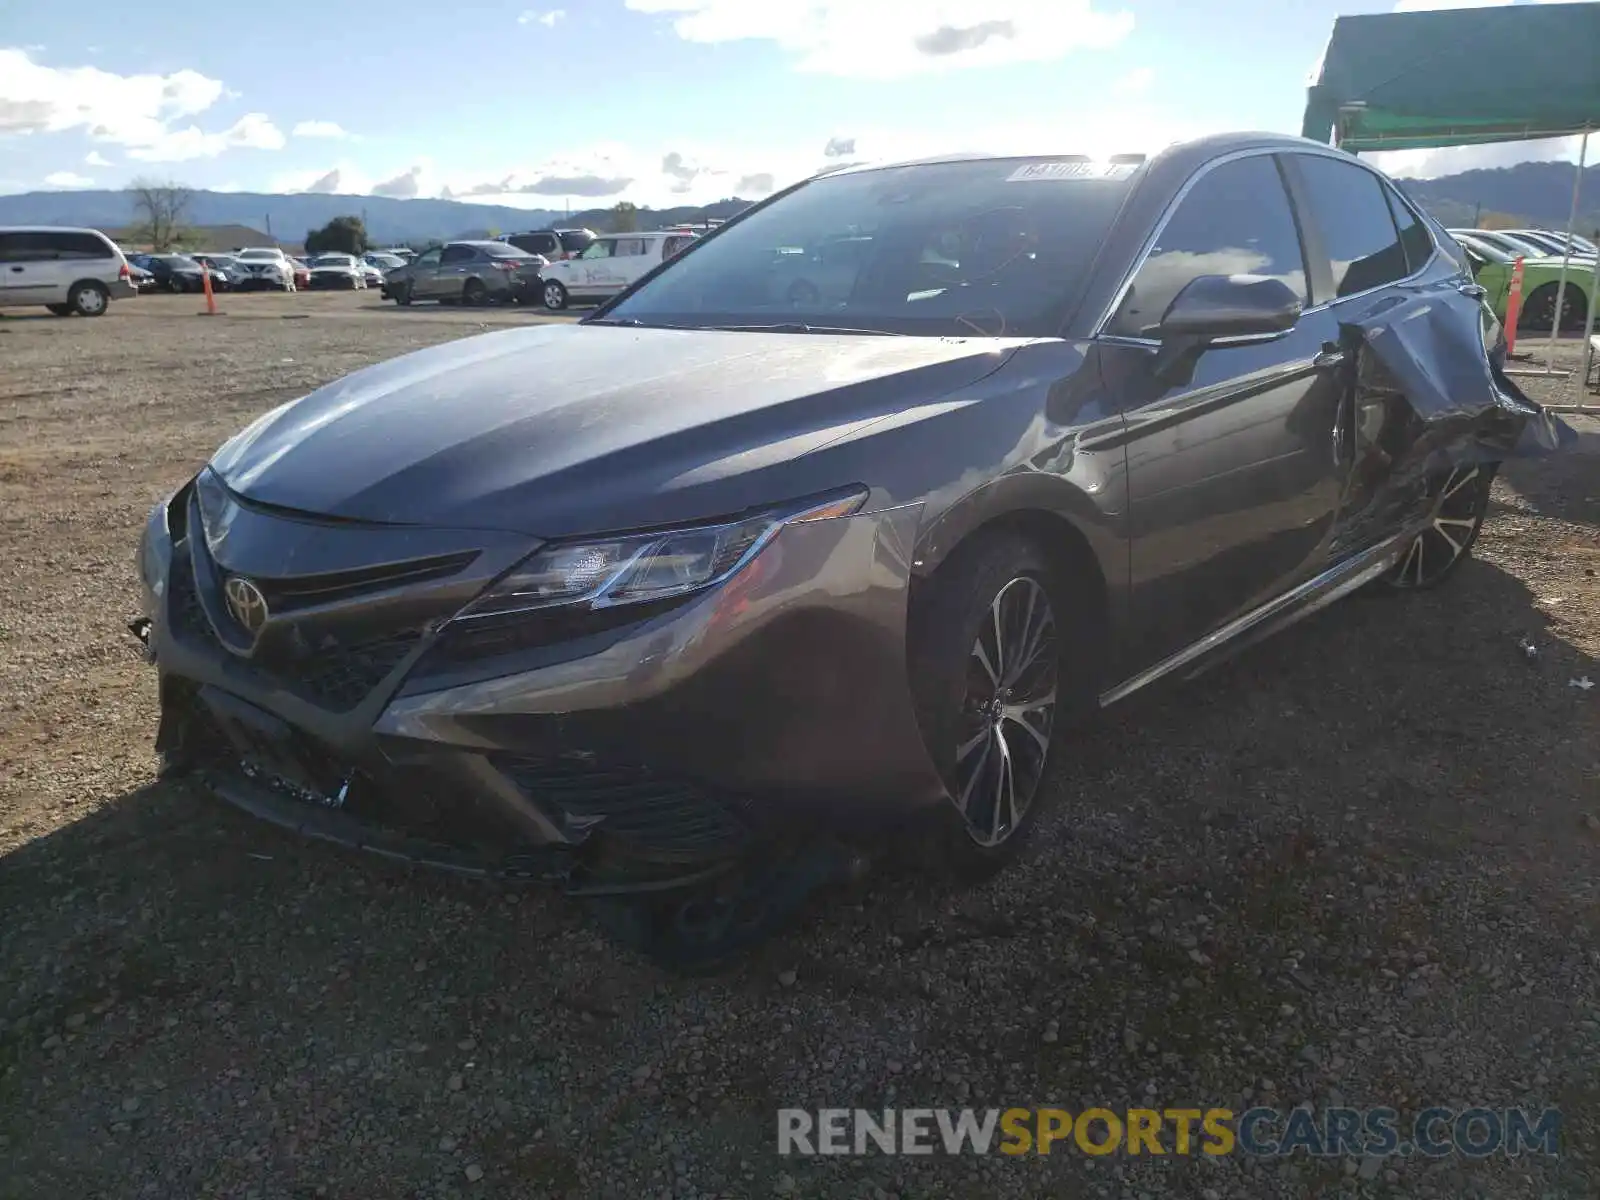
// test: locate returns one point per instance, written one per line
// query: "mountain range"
(1537, 193)
(288, 217)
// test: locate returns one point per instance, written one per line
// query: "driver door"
(1234, 473)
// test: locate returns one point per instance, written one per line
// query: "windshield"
(385, 260)
(332, 260)
(177, 260)
(272, 254)
(502, 250)
(991, 247)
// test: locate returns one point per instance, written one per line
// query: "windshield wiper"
(798, 327)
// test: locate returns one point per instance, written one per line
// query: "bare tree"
(161, 211)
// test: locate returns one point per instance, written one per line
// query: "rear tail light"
(123, 272)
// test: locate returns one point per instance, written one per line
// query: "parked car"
(611, 263)
(382, 260)
(266, 267)
(141, 279)
(1501, 241)
(302, 272)
(344, 271)
(68, 271)
(466, 272)
(1541, 281)
(1555, 243)
(553, 244)
(224, 265)
(179, 272)
(677, 604)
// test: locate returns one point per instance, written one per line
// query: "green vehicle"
(1541, 278)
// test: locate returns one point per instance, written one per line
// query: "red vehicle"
(302, 273)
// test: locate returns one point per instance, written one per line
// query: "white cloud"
(140, 112)
(343, 178)
(95, 159)
(253, 131)
(130, 109)
(1136, 82)
(547, 19)
(891, 38)
(67, 179)
(416, 181)
(319, 129)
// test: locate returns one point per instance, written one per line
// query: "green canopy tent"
(1460, 77)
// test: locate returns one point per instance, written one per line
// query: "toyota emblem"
(246, 604)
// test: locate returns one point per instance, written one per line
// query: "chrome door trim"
(1315, 593)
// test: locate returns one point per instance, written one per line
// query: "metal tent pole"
(1566, 257)
(1582, 405)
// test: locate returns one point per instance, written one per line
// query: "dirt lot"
(1356, 866)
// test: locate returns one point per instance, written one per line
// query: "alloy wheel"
(1008, 711)
(1457, 511)
(91, 302)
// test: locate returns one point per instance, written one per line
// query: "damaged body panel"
(692, 600)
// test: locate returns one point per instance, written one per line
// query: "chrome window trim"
(1149, 244)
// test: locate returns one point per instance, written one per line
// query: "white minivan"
(66, 270)
(611, 263)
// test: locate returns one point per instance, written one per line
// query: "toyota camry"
(686, 605)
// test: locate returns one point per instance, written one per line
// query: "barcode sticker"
(1037, 171)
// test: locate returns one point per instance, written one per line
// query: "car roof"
(1192, 153)
(52, 229)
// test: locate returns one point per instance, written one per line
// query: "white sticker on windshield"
(1031, 172)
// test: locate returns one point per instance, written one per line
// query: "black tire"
(402, 293)
(553, 294)
(175, 285)
(974, 740)
(1460, 499)
(474, 294)
(1538, 310)
(89, 299)
(60, 310)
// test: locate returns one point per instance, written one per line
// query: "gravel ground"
(1355, 865)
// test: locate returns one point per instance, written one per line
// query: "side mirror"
(1227, 306)
(1211, 308)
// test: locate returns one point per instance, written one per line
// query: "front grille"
(337, 677)
(286, 595)
(634, 806)
(341, 679)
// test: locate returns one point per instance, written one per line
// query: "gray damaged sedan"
(686, 604)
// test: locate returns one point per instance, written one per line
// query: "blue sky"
(654, 101)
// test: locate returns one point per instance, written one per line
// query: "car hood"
(563, 429)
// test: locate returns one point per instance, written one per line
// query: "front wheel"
(554, 295)
(985, 653)
(402, 294)
(1460, 498)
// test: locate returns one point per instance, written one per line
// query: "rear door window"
(1414, 238)
(456, 254)
(1348, 204)
(1235, 220)
(79, 245)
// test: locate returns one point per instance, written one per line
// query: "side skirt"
(1281, 611)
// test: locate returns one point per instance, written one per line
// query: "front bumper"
(772, 708)
(329, 283)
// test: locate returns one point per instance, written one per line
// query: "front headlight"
(636, 568)
(152, 568)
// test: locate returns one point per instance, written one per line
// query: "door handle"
(1331, 356)
(1475, 291)
(17, 270)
